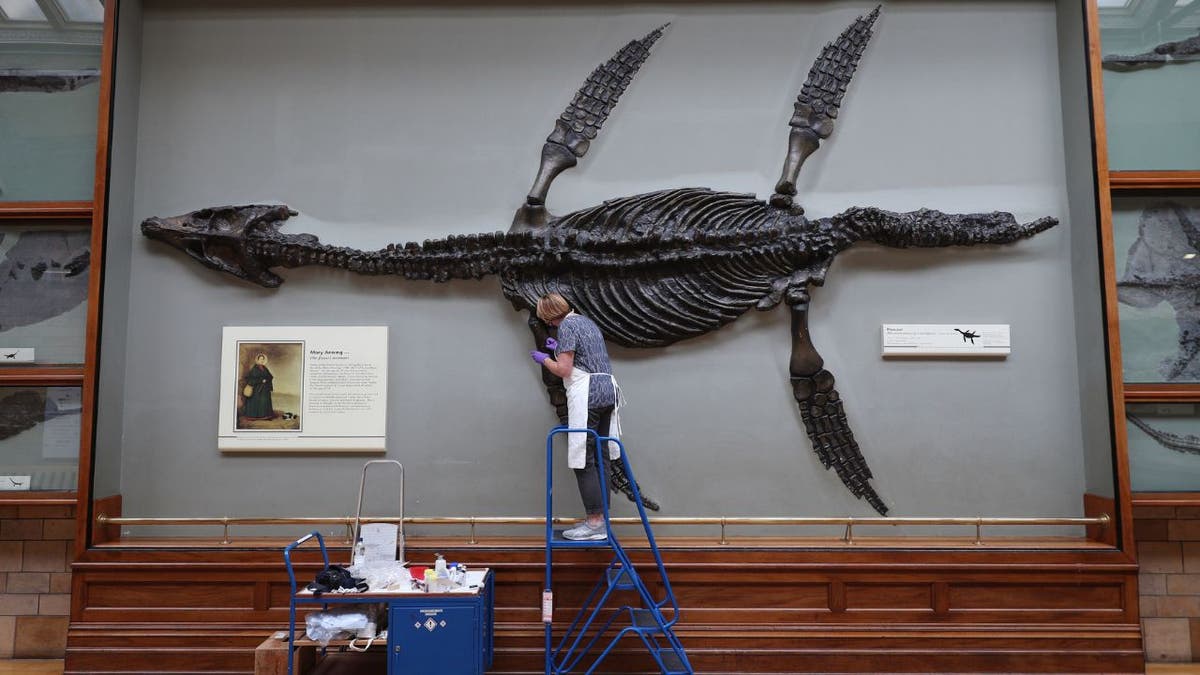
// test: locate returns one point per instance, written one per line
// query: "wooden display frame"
(48, 213)
(178, 605)
(1110, 184)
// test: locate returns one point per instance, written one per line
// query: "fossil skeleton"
(1179, 51)
(1161, 266)
(650, 269)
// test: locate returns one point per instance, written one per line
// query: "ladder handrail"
(637, 499)
(287, 555)
(362, 484)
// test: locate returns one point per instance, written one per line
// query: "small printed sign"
(16, 355)
(10, 482)
(985, 340)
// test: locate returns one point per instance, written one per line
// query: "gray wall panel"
(396, 124)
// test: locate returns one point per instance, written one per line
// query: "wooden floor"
(51, 667)
(39, 667)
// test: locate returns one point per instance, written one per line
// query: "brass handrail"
(1102, 521)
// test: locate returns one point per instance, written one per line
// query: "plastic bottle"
(439, 566)
(360, 554)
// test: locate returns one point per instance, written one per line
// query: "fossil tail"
(926, 228)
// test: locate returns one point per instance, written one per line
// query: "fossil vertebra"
(650, 269)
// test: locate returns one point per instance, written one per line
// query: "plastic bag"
(383, 576)
(341, 622)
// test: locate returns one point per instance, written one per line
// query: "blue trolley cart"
(428, 633)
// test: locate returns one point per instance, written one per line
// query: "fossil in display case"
(1161, 266)
(41, 274)
(650, 269)
(45, 80)
(1179, 51)
(26, 408)
(1182, 443)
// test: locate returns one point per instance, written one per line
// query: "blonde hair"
(552, 306)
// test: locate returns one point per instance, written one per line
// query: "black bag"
(333, 578)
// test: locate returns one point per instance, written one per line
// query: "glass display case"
(39, 438)
(49, 91)
(1151, 61)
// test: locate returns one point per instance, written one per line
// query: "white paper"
(379, 542)
(60, 435)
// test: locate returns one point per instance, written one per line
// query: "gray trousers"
(588, 477)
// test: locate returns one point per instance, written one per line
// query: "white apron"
(578, 384)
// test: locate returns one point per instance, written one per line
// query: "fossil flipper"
(819, 100)
(821, 407)
(580, 122)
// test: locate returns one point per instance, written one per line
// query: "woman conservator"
(581, 360)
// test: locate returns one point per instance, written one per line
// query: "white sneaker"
(584, 532)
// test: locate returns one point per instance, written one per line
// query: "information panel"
(986, 340)
(313, 388)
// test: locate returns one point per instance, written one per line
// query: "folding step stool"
(647, 621)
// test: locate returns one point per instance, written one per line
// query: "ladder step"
(646, 622)
(620, 579)
(559, 541)
(671, 661)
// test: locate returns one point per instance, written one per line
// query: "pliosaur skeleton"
(651, 269)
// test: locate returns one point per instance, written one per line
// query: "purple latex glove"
(551, 344)
(540, 357)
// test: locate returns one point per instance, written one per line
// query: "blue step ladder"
(648, 621)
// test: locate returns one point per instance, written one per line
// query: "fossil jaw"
(219, 237)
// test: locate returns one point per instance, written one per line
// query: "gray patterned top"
(581, 335)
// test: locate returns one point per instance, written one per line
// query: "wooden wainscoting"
(769, 606)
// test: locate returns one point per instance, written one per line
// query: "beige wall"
(35, 580)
